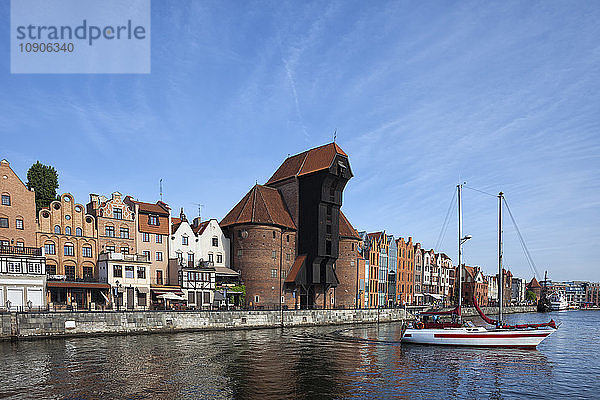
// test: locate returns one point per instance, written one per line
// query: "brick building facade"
(70, 241)
(17, 210)
(115, 223)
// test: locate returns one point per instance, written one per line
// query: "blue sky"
(503, 95)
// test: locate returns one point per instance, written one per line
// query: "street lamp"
(8, 305)
(116, 293)
(464, 239)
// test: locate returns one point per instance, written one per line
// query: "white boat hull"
(481, 337)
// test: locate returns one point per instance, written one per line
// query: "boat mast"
(459, 277)
(500, 274)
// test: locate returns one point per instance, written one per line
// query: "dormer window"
(153, 220)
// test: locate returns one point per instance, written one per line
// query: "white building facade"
(22, 278)
(129, 278)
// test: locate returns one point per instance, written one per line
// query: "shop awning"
(435, 296)
(171, 296)
(224, 271)
(158, 290)
(141, 289)
(77, 285)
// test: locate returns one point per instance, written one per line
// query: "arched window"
(56, 229)
(68, 230)
(5, 199)
(78, 232)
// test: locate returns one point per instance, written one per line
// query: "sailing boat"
(466, 334)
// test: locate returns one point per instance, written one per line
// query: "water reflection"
(327, 362)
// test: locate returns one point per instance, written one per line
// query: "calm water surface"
(324, 362)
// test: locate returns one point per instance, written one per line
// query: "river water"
(343, 362)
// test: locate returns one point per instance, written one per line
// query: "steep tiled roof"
(175, 222)
(313, 160)
(158, 208)
(296, 267)
(470, 271)
(346, 228)
(534, 284)
(199, 230)
(262, 205)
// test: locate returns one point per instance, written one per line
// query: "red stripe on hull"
(489, 335)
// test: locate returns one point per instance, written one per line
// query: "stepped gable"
(313, 160)
(346, 228)
(262, 205)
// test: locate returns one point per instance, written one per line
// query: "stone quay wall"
(472, 312)
(64, 324)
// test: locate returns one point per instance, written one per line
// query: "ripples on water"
(324, 362)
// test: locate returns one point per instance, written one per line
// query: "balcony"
(124, 257)
(20, 250)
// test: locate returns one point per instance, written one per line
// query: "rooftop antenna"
(334, 135)
(161, 192)
(200, 206)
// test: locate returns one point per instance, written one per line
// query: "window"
(88, 273)
(215, 242)
(78, 232)
(56, 229)
(146, 237)
(14, 267)
(240, 252)
(159, 279)
(153, 220)
(206, 297)
(109, 231)
(159, 256)
(20, 244)
(273, 234)
(69, 250)
(124, 233)
(68, 230)
(110, 249)
(19, 223)
(129, 271)
(6, 200)
(287, 238)
(273, 273)
(117, 271)
(282, 299)
(352, 246)
(125, 250)
(51, 269)
(184, 240)
(256, 299)
(191, 297)
(210, 257)
(50, 248)
(86, 251)
(191, 259)
(141, 272)
(67, 217)
(3, 222)
(146, 254)
(142, 299)
(70, 272)
(219, 258)
(158, 238)
(274, 254)
(117, 213)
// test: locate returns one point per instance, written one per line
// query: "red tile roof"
(293, 274)
(313, 160)
(199, 230)
(262, 205)
(175, 222)
(346, 228)
(534, 284)
(158, 208)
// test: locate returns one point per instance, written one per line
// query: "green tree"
(44, 180)
(530, 295)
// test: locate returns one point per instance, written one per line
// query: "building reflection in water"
(325, 362)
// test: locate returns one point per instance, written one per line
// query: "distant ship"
(558, 302)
